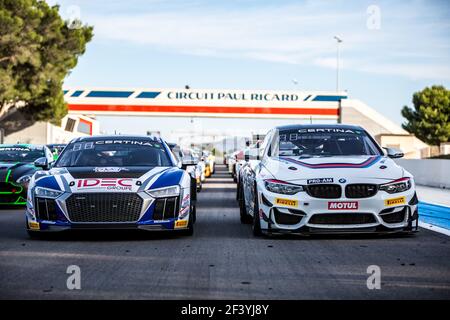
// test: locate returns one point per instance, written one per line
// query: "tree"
(37, 51)
(430, 118)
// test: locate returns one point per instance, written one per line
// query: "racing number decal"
(395, 201)
(286, 202)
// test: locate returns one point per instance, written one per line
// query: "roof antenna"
(310, 119)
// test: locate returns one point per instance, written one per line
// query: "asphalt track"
(221, 261)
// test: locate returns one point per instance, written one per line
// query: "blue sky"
(250, 44)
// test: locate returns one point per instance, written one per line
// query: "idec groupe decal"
(121, 184)
(343, 205)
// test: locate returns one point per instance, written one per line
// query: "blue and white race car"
(326, 179)
(111, 182)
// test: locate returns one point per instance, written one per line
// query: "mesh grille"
(360, 190)
(324, 191)
(104, 207)
(342, 218)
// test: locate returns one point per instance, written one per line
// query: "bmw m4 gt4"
(326, 179)
(112, 182)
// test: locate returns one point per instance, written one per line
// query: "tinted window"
(106, 153)
(20, 154)
(324, 142)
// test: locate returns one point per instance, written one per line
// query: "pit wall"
(428, 172)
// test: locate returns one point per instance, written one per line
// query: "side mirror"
(41, 163)
(188, 161)
(394, 153)
(248, 157)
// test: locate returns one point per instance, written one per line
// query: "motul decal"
(347, 205)
(106, 183)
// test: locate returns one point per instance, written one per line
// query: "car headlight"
(166, 192)
(24, 180)
(47, 193)
(397, 186)
(282, 187)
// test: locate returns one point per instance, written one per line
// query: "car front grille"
(166, 208)
(46, 209)
(104, 207)
(342, 218)
(8, 198)
(324, 191)
(9, 187)
(360, 190)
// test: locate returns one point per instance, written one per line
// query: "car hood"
(351, 168)
(108, 179)
(15, 170)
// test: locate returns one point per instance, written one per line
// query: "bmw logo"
(342, 180)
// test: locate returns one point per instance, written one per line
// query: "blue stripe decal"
(148, 94)
(307, 98)
(167, 179)
(434, 214)
(109, 94)
(65, 91)
(329, 98)
(77, 93)
(48, 182)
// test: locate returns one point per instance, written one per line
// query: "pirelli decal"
(286, 202)
(33, 225)
(181, 224)
(395, 201)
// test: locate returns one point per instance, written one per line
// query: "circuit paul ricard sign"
(205, 103)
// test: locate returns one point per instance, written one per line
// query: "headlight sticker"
(286, 202)
(395, 201)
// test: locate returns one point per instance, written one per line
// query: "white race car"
(327, 179)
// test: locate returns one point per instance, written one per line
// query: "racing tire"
(190, 229)
(245, 217)
(256, 226)
(35, 235)
(194, 213)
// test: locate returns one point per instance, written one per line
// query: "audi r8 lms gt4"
(111, 182)
(327, 179)
(16, 169)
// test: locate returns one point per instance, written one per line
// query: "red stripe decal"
(203, 109)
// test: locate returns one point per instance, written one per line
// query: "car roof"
(320, 126)
(116, 137)
(23, 145)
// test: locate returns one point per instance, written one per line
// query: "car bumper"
(382, 213)
(11, 194)
(57, 215)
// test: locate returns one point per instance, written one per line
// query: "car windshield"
(324, 142)
(20, 154)
(112, 153)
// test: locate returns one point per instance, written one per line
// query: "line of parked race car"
(300, 179)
